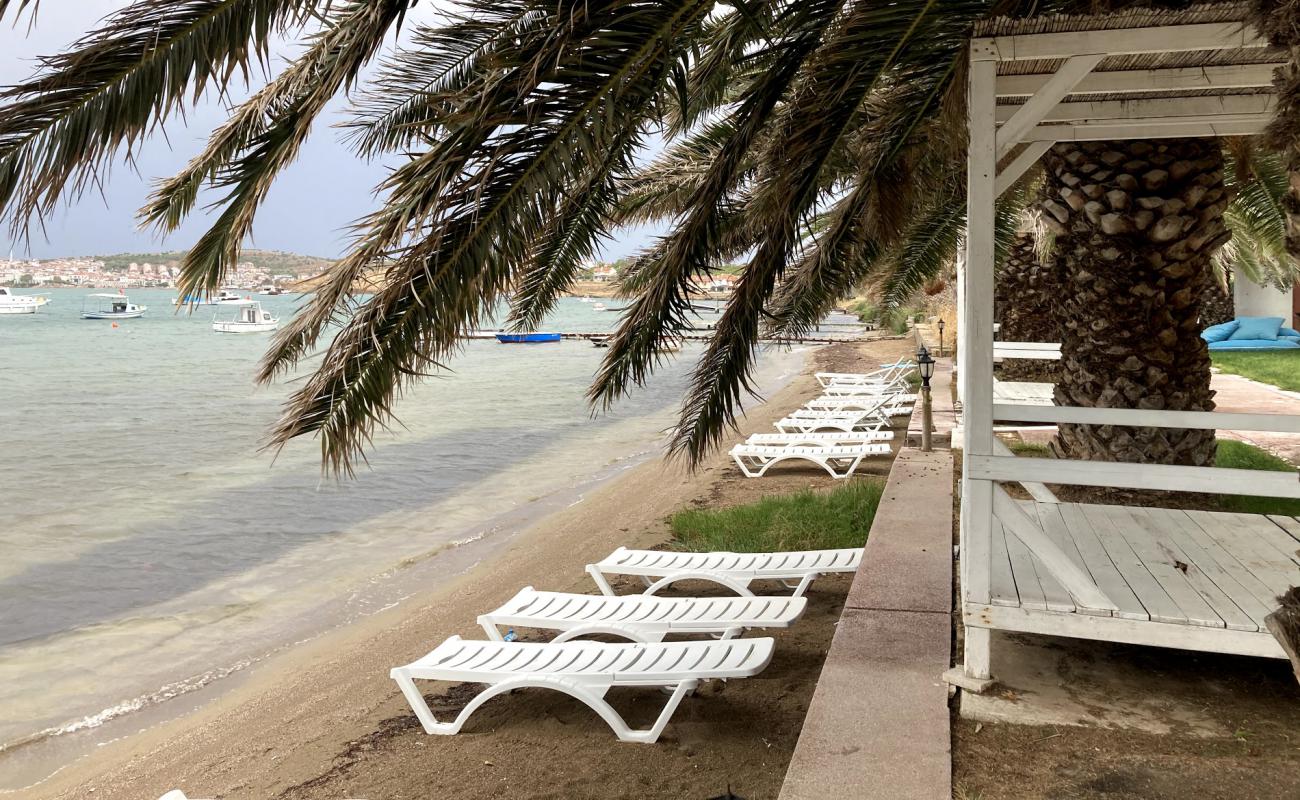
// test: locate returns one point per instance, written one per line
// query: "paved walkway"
(878, 725)
(1235, 393)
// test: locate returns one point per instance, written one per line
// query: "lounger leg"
(492, 631)
(601, 583)
(805, 583)
(742, 590)
(421, 708)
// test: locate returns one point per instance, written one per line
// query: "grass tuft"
(1280, 368)
(801, 521)
(1239, 455)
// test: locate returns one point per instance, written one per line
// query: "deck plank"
(1002, 585)
(1201, 571)
(1230, 564)
(1098, 562)
(1058, 597)
(1270, 533)
(1022, 569)
(1128, 523)
(1238, 538)
(1152, 595)
(1288, 524)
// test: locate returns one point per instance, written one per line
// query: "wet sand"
(324, 720)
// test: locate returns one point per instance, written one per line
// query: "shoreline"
(285, 722)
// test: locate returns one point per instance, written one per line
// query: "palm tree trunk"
(1024, 300)
(1136, 224)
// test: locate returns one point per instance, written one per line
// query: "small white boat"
(584, 299)
(250, 318)
(11, 303)
(599, 307)
(270, 291)
(110, 306)
(229, 297)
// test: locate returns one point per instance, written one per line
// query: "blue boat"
(527, 338)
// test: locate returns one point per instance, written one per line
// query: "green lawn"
(1279, 368)
(801, 521)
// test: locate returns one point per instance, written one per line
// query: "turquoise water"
(152, 549)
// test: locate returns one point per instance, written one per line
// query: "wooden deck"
(1023, 393)
(1214, 575)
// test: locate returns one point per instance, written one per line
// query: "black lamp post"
(941, 337)
(925, 365)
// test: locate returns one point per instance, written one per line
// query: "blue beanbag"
(1257, 328)
(1217, 333)
(1289, 333)
(1256, 344)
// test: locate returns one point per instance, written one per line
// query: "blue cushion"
(1217, 333)
(1288, 332)
(1295, 339)
(1256, 344)
(1257, 328)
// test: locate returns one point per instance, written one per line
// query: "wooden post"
(976, 355)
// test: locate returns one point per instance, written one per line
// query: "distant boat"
(221, 298)
(270, 291)
(230, 297)
(250, 318)
(599, 307)
(527, 338)
(600, 341)
(584, 299)
(110, 306)
(11, 303)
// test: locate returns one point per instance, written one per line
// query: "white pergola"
(1193, 580)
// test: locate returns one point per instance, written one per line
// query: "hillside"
(274, 261)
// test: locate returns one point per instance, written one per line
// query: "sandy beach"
(323, 720)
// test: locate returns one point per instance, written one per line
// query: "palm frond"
(264, 136)
(60, 129)
(438, 287)
(1257, 218)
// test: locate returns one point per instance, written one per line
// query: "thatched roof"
(1228, 12)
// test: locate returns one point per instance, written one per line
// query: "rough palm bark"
(1218, 306)
(1026, 299)
(1136, 224)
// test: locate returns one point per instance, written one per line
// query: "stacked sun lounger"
(587, 670)
(850, 421)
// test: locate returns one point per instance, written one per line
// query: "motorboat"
(599, 307)
(249, 318)
(110, 306)
(11, 303)
(224, 297)
(229, 297)
(270, 290)
(527, 338)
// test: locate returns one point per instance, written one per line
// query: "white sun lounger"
(820, 437)
(888, 374)
(639, 617)
(894, 406)
(854, 390)
(583, 670)
(840, 460)
(850, 422)
(735, 571)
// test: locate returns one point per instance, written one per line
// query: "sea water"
(150, 548)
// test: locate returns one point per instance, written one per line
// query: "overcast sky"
(307, 211)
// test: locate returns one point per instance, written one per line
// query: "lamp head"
(925, 364)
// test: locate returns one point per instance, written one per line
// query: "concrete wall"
(1253, 300)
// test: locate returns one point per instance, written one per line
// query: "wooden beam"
(1117, 629)
(1161, 477)
(1150, 418)
(1124, 41)
(1019, 165)
(1072, 576)
(1042, 104)
(1173, 108)
(1151, 129)
(1237, 76)
(1038, 491)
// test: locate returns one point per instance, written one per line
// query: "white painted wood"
(1094, 556)
(1022, 569)
(976, 358)
(1150, 593)
(1019, 165)
(1288, 524)
(1038, 491)
(977, 651)
(1262, 560)
(1021, 393)
(1070, 575)
(1001, 352)
(1236, 76)
(1040, 106)
(1133, 525)
(1148, 418)
(1175, 109)
(1162, 477)
(1002, 582)
(1053, 347)
(1234, 604)
(1258, 526)
(1158, 39)
(1228, 562)
(1117, 629)
(1150, 128)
